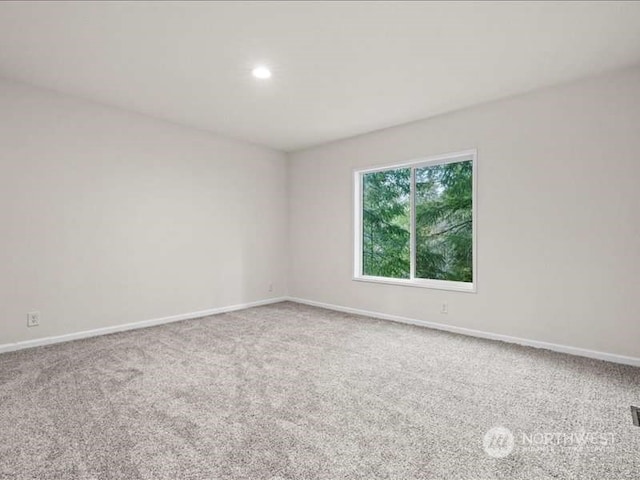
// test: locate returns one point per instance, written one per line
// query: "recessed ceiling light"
(261, 72)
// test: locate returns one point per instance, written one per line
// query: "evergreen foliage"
(444, 222)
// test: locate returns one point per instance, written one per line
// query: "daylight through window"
(415, 223)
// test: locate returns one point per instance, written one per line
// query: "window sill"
(433, 284)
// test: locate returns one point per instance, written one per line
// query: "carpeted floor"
(294, 392)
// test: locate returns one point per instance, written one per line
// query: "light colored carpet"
(293, 392)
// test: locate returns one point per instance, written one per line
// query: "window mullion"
(412, 225)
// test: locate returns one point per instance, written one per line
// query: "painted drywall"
(110, 217)
(558, 216)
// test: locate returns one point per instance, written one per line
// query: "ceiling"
(339, 68)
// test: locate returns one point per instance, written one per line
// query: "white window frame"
(358, 175)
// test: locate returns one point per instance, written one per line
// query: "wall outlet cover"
(33, 319)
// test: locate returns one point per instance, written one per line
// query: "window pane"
(385, 223)
(444, 240)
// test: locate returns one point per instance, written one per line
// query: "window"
(415, 223)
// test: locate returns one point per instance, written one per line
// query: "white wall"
(110, 217)
(558, 216)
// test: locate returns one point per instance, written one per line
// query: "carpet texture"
(294, 392)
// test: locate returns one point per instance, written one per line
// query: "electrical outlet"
(271, 287)
(635, 414)
(33, 319)
(444, 309)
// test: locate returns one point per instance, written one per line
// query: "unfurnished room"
(320, 240)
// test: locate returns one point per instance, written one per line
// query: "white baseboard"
(581, 352)
(10, 347)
